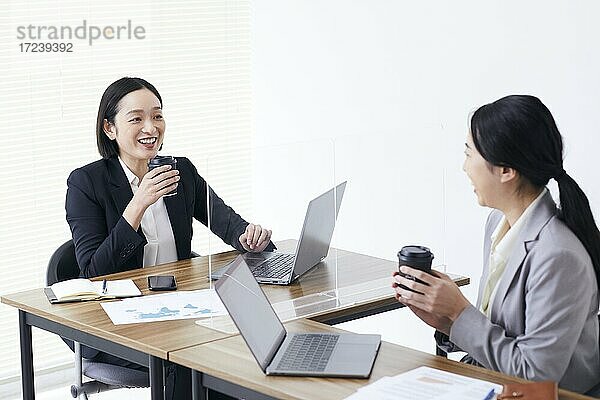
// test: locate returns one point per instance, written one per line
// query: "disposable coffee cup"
(417, 257)
(159, 161)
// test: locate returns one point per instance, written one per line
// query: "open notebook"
(83, 289)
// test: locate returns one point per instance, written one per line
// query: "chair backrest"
(62, 264)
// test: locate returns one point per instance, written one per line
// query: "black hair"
(519, 132)
(109, 107)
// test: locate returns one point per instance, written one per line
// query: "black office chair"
(595, 392)
(63, 266)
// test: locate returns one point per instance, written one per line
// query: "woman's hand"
(155, 184)
(438, 304)
(255, 238)
(442, 324)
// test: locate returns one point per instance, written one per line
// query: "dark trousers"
(178, 379)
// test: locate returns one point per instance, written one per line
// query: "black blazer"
(105, 243)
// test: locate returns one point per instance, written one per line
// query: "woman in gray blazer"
(536, 315)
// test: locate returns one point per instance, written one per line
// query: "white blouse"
(503, 241)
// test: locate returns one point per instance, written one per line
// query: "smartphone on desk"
(162, 282)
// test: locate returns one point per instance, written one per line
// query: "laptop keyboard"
(308, 352)
(277, 266)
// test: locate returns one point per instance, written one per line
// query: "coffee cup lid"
(161, 160)
(415, 252)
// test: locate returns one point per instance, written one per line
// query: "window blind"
(197, 54)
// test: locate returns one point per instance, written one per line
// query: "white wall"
(405, 75)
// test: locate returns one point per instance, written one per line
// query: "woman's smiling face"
(483, 176)
(139, 126)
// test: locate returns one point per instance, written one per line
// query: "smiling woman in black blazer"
(105, 215)
(117, 210)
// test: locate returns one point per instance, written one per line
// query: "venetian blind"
(196, 53)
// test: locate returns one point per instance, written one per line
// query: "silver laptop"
(281, 353)
(282, 268)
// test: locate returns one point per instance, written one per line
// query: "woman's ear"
(508, 174)
(109, 129)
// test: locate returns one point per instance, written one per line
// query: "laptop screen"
(317, 230)
(251, 311)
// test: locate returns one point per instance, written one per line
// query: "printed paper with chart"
(164, 307)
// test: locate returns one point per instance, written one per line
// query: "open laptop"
(279, 352)
(282, 268)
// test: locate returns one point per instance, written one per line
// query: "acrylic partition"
(272, 187)
(395, 197)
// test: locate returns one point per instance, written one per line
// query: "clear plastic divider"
(393, 197)
(274, 190)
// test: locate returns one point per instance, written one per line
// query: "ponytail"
(575, 212)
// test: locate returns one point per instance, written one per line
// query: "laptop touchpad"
(351, 353)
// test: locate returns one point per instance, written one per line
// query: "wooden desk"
(228, 366)
(362, 284)
(150, 343)
(86, 322)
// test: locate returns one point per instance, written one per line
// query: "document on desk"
(165, 307)
(426, 383)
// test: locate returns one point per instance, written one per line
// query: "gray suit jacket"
(543, 323)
